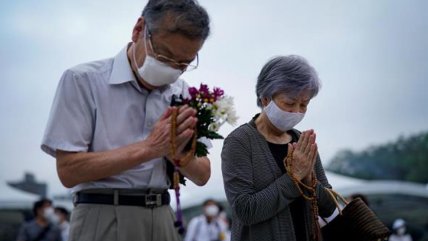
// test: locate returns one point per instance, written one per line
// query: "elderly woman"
(269, 200)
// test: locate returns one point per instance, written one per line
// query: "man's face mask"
(155, 72)
(49, 214)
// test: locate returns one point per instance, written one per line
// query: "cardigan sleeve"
(252, 206)
(326, 205)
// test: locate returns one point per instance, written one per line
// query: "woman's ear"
(265, 101)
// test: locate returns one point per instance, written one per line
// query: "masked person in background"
(109, 128)
(44, 225)
(267, 203)
(399, 231)
(63, 221)
(208, 226)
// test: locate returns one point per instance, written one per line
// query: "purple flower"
(218, 93)
(193, 92)
(204, 90)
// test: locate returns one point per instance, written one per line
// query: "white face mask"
(155, 72)
(211, 210)
(282, 120)
(50, 215)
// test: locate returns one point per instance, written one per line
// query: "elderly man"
(109, 128)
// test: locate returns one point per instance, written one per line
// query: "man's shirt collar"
(122, 71)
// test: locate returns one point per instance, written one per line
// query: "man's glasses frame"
(171, 62)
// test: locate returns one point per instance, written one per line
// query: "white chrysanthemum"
(208, 106)
(232, 118)
(214, 127)
(224, 110)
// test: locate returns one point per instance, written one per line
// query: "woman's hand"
(304, 154)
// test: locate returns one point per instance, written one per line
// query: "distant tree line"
(405, 159)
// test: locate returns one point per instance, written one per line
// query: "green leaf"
(201, 149)
(213, 135)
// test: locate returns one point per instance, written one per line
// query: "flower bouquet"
(213, 110)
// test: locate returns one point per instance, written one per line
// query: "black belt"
(143, 200)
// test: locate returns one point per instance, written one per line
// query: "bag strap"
(334, 195)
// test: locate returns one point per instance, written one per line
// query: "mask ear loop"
(147, 34)
(133, 56)
(146, 29)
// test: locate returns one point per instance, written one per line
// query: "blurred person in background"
(44, 225)
(63, 221)
(267, 201)
(208, 226)
(399, 231)
(224, 217)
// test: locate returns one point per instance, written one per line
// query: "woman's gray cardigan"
(259, 194)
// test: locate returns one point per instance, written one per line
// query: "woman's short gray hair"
(290, 75)
(186, 17)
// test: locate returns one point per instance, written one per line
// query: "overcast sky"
(372, 58)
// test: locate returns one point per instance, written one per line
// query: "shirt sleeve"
(326, 205)
(70, 124)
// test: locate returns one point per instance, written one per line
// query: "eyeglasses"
(171, 62)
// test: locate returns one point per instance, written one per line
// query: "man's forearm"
(77, 167)
(198, 170)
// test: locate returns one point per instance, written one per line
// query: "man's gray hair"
(290, 75)
(186, 17)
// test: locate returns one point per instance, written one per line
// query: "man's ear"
(138, 29)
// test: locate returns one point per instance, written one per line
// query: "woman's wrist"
(308, 179)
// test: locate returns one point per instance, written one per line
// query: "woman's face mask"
(155, 72)
(281, 119)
